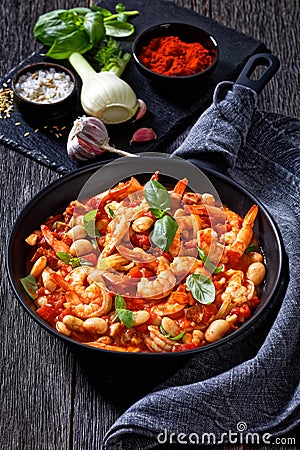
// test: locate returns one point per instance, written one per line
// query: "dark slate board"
(169, 111)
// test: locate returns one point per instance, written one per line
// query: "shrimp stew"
(146, 268)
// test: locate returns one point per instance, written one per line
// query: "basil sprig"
(67, 31)
(73, 260)
(168, 335)
(125, 315)
(30, 285)
(111, 213)
(160, 203)
(207, 262)
(201, 287)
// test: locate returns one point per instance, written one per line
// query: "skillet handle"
(271, 64)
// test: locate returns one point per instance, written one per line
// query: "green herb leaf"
(104, 12)
(158, 213)
(157, 196)
(120, 8)
(125, 315)
(53, 25)
(179, 336)
(201, 287)
(30, 286)
(207, 263)
(89, 223)
(175, 338)
(72, 260)
(251, 248)
(163, 232)
(77, 41)
(93, 25)
(120, 302)
(111, 213)
(118, 29)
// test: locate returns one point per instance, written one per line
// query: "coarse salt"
(44, 86)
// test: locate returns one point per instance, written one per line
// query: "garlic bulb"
(89, 138)
(104, 95)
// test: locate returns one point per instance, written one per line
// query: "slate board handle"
(271, 64)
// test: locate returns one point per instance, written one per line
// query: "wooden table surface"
(48, 401)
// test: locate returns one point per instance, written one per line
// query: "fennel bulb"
(104, 95)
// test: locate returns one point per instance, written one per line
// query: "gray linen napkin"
(251, 385)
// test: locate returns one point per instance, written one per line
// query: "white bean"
(95, 325)
(38, 266)
(256, 273)
(81, 247)
(170, 326)
(141, 224)
(216, 330)
(77, 232)
(140, 317)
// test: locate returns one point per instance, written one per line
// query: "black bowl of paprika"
(175, 53)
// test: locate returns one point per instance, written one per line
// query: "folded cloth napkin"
(251, 384)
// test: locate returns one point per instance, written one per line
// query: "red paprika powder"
(170, 56)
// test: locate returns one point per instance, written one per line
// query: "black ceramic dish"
(45, 112)
(187, 33)
(59, 194)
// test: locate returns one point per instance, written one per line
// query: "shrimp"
(84, 302)
(235, 294)
(244, 236)
(182, 265)
(157, 342)
(55, 244)
(95, 301)
(208, 241)
(121, 191)
(156, 288)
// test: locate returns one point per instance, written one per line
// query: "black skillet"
(137, 366)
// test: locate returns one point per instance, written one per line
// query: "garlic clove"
(142, 109)
(143, 135)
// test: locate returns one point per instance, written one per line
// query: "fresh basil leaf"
(158, 213)
(53, 25)
(118, 29)
(163, 232)
(157, 196)
(73, 260)
(93, 25)
(125, 315)
(30, 286)
(251, 248)
(207, 262)
(120, 8)
(63, 47)
(104, 12)
(111, 213)
(80, 10)
(201, 287)
(119, 302)
(89, 223)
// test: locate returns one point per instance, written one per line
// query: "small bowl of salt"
(45, 92)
